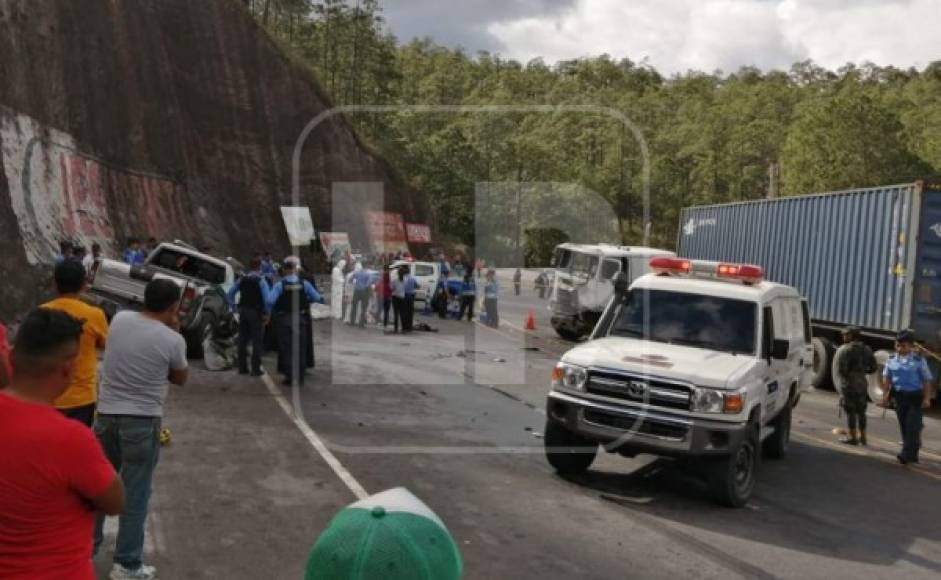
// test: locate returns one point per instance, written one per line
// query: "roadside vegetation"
(713, 136)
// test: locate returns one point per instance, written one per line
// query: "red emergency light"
(664, 265)
(745, 272)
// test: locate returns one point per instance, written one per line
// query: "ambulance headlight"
(569, 376)
(703, 400)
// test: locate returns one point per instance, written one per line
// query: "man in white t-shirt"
(147, 352)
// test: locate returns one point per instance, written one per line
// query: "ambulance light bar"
(747, 273)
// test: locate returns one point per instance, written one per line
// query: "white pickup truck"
(698, 361)
(203, 279)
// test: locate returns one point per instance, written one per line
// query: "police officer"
(290, 300)
(253, 315)
(906, 378)
(856, 362)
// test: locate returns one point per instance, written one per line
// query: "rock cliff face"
(171, 118)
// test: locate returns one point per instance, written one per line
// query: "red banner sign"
(385, 227)
(418, 233)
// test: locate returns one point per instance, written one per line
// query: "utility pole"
(773, 171)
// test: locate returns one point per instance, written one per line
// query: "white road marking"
(297, 418)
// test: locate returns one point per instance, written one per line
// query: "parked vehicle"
(426, 273)
(699, 361)
(204, 281)
(582, 284)
(866, 257)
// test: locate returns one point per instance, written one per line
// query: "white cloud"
(676, 35)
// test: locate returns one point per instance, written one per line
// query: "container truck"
(864, 257)
(582, 285)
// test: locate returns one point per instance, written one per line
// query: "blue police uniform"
(290, 301)
(362, 280)
(907, 375)
(253, 306)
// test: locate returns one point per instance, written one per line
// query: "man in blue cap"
(906, 378)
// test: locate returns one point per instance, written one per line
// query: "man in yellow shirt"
(78, 401)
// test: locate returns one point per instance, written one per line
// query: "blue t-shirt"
(361, 280)
(411, 285)
(907, 373)
(492, 289)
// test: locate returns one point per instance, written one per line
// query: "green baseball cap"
(391, 535)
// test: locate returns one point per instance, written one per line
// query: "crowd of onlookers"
(81, 408)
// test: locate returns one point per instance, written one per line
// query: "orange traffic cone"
(531, 320)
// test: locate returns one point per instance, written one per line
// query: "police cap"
(905, 335)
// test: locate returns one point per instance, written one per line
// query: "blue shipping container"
(867, 257)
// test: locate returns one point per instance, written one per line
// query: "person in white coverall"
(336, 289)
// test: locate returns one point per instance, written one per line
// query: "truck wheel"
(876, 392)
(835, 378)
(732, 478)
(565, 333)
(823, 359)
(201, 331)
(567, 452)
(775, 446)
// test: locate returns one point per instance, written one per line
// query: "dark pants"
(386, 305)
(132, 445)
(360, 304)
(251, 331)
(516, 288)
(84, 414)
(398, 312)
(294, 352)
(490, 307)
(408, 320)
(467, 305)
(908, 410)
(854, 404)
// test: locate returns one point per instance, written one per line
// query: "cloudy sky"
(677, 35)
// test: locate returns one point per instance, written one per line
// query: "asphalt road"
(457, 417)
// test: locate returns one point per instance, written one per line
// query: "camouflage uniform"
(856, 362)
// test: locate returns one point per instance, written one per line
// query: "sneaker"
(145, 572)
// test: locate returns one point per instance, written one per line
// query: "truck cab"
(583, 282)
(697, 361)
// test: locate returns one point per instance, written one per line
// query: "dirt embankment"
(170, 118)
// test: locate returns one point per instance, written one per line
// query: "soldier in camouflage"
(856, 362)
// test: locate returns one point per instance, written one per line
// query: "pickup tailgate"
(121, 281)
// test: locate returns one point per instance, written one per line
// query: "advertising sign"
(386, 231)
(335, 243)
(299, 225)
(418, 233)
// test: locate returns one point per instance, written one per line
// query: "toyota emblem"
(637, 390)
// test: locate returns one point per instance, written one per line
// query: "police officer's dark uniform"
(253, 308)
(856, 362)
(909, 378)
(291, 299)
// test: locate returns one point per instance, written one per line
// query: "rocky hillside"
(171, 118)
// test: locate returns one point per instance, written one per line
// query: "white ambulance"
(698, 361)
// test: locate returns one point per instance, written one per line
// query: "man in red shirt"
(53, 473)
